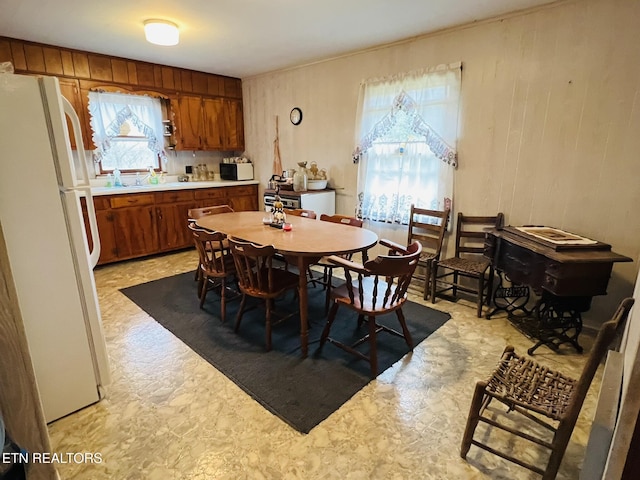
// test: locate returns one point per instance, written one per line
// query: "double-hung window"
(405, 142)
(128, 131)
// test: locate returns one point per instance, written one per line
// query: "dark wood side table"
(564, 277)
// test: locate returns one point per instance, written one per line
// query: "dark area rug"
(302, 392)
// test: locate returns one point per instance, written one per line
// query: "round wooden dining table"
(307, 240)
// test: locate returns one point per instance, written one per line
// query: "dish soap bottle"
(300, 178)
(117, 181)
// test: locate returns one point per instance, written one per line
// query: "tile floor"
(170, 415)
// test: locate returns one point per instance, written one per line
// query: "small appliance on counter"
(236, 171)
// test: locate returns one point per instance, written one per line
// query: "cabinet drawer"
(241, 190)
(101, 203)
(121, 201)
(209, 193)
(174, 196)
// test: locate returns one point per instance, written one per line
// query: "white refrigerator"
(41, 183)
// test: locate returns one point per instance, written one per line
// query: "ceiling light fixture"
(161, 32)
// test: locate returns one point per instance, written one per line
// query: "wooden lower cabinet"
(140, 224)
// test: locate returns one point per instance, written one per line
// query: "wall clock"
(295, 116)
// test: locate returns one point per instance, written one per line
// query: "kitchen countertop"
(160, 187)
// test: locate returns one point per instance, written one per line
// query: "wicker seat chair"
(539, 394)
(258, 278)
(428, 227)
(380, 287)
(468, 262)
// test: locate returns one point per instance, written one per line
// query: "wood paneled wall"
(29, 57)
(549, 121)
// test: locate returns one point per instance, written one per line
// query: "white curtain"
(391, 177)
(110, 110)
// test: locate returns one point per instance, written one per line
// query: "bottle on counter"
(117, 181)
(300, 178)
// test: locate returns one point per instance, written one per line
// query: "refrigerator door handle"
(94, 254)
(77, 132)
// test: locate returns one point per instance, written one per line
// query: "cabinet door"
(70, 90)
(190, 126)
(242, 198)
(233, 125)
(136, 231)
(213, 109)
(108, 246)
(173, 232)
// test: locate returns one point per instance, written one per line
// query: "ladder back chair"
(216, 265)
(379, 287)
(258, 278)
(468, 263)
(326, 265)
(428, 227)
(194, 214)
(538, 394)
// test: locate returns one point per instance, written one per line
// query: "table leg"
(303, 264)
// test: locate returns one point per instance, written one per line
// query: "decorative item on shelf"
(300, 178)
(317, 177)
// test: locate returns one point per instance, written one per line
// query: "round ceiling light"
(161, 32)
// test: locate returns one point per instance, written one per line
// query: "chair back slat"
(428, 227)
(470, 232)
(395, 271)
(212, 253)
(254, 265)
(301, 212)
(342, 219)
(196, 213)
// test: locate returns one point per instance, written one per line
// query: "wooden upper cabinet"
(70, 90)
(233, 125)
(209, 123)
(190, 122)
(213, 122)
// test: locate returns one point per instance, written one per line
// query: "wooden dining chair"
(216, 265)
(194, 214)
(468, 270)
(379, 287)
(325, 264)
(428, 227)
(298, 212)
(301, 212)
(258, 278)
(539, 394)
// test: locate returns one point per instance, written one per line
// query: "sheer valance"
(110, 111)
(429, 96)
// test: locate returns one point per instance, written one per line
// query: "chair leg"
(473, 418)
(223, 301)
(373, 347)
(489, 294)
(405, 329)
(240, 312)
(327, 298)
(559, 445)
(480, 300)
(269, 302)
(327, 326)
(434, 273)
(204, 289)
(428, 282)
